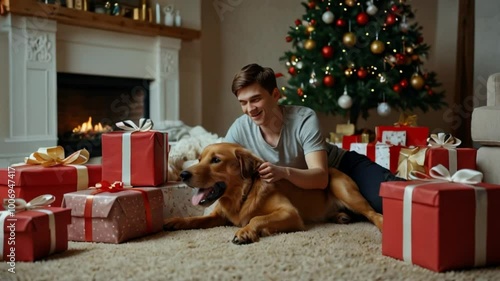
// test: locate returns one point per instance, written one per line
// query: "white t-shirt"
(300, 135)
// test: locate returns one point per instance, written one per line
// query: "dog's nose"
(185, 175)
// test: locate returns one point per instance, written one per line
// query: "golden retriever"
(228, 172)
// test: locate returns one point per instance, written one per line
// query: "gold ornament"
(348, 72)
(293, 58)
(417, 82)
(409, 50)
(349, 39)
(309, 44)
(350, 3)
(309, 29)
(377, 47)
(415, 57)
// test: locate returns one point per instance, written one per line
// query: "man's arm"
(314, 177)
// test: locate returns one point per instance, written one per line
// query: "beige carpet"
(324, 252)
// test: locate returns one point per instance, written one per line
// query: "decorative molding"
(169, 65)
(39, 47)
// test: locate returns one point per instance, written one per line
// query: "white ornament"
(371, 9)
(299, 65)
(313, 80)
(383, 109)
(328, 17)
(345, 101)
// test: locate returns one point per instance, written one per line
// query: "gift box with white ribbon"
(442, 222)
(31, 230)
(137, 156)
(48, 171)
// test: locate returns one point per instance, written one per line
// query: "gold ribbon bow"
(443, 140)
(406, 119)
(144, 125)
(20, 204)
(441, 173)
(411, 159)
(54, 156)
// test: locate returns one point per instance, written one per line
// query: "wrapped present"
(411, 159)
(177, 201)
(443, 150)
(138, 156)
(448, 222)
(32, 230)
(415, 136)
(394, 137)
(47, 171)
(348, 140)
(111, 213)
(383, 154)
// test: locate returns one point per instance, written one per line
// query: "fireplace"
(89, 105)
(39, 52)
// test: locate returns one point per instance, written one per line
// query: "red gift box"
(135, 158)
(460, 158)
(34, 234)
(392, 155)
(415, 136)
(437, 229)
(114, 217)
(347, 140)
(30, 181)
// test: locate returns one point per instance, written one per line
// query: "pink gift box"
(114, 217)
(136, 158)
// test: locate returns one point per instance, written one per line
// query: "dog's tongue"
(199, 195)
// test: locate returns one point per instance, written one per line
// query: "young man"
(290, 140)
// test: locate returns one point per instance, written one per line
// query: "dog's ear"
(249, 163)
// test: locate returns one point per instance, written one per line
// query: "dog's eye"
(215, 160)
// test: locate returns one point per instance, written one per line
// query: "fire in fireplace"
(99, 99)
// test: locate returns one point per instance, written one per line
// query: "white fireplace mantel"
(39, 48)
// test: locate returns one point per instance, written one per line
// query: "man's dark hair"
(254, 73)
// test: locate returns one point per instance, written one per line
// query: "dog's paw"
(173, 224)
(245, 236)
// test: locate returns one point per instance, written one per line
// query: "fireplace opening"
(89, 105)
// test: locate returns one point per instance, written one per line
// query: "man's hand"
(271, 173)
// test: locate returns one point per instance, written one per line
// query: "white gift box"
(394, 137)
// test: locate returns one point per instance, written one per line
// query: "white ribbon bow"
(443, 140)
(439, 172)
(37, 202)
(144, 125)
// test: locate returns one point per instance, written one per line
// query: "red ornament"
(340, 22)
(396, 88)
(298, 22)
(292, 70)
(390, 19)
(362, 73)
(394, 8)
(327, 52)
(400, 58)
(300, 92)
(362, 18)
(430, 92)
(311, 5)
(328, 80)
(289, 39)
(420, 39)
(403, 83)
(313, 22)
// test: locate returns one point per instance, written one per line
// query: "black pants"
(368, 175)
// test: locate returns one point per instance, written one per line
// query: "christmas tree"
(349, 57)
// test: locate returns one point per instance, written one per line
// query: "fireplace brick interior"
(106, 99)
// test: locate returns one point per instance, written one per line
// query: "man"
(289, 139)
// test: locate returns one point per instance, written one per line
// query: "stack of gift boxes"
(58, 198)
(443, 217)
